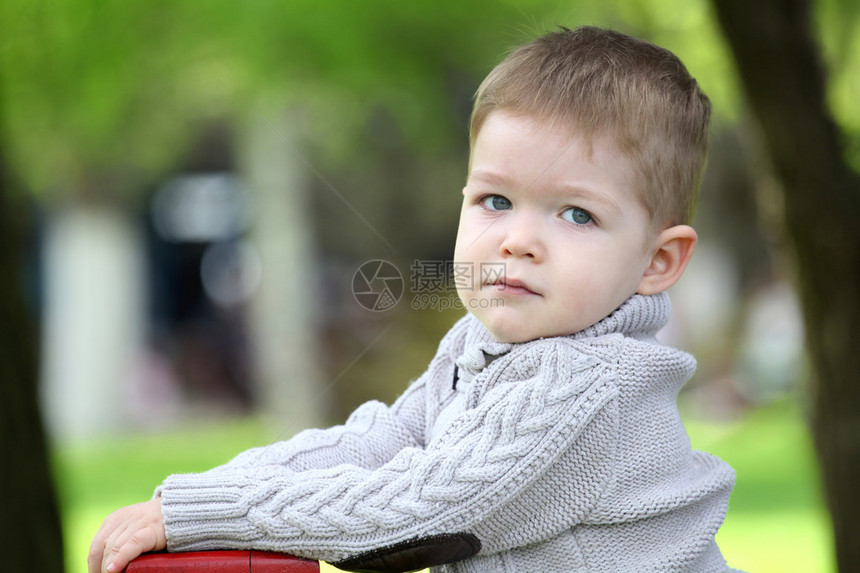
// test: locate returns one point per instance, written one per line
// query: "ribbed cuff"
(201, 512)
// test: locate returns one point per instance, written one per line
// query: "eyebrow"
(586, 193)
(489, 178)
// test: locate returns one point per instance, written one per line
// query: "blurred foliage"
(100, 90)
(93, 90)
(838, 27)
(103, 90)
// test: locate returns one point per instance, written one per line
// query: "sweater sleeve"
(491, 457)
(371, 436)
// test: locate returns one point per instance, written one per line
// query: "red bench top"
(221, 562)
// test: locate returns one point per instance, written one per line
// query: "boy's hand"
(125, 534)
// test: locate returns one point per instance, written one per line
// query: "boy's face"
(557, 238)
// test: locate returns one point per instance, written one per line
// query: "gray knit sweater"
(565, 454)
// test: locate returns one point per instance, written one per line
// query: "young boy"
(544, 435)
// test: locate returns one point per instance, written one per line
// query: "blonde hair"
(603, 83)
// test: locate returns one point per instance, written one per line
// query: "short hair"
(601, 82)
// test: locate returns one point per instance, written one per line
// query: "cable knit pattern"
(568, 455)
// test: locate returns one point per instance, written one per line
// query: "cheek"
(472, 237)
(594, 276)
(576, 280)
(463, 238)
(460, 247)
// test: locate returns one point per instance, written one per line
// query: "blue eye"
(496, 203)
(577, 215)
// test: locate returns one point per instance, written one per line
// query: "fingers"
(123, 551)
(97, 547)
(94, 558)
(125, 534)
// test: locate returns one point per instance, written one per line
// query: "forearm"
(372, 435)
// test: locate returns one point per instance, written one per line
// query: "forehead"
(534, 155)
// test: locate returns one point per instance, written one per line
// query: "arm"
(371, 436)
(489, 458)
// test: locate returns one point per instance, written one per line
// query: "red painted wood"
(263, 562)
(221, 562)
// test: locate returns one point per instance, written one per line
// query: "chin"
(510, 335)
(514, 334)
(508, 329)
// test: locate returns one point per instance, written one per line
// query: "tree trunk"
(30, 534)
(784, 83)
(283, 327)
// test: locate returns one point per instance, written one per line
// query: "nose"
(522, 238)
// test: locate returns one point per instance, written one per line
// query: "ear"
(672, 251)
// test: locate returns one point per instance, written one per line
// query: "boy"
(544, 435)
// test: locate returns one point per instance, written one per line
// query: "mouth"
(513, 286)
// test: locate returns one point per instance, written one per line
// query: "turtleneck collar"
(640, 316)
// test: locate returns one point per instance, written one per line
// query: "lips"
(513, 286)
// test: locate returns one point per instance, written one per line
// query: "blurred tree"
(30, 538)
(784, 80)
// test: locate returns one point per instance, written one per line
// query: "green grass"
(97, 477)
(776, 521)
